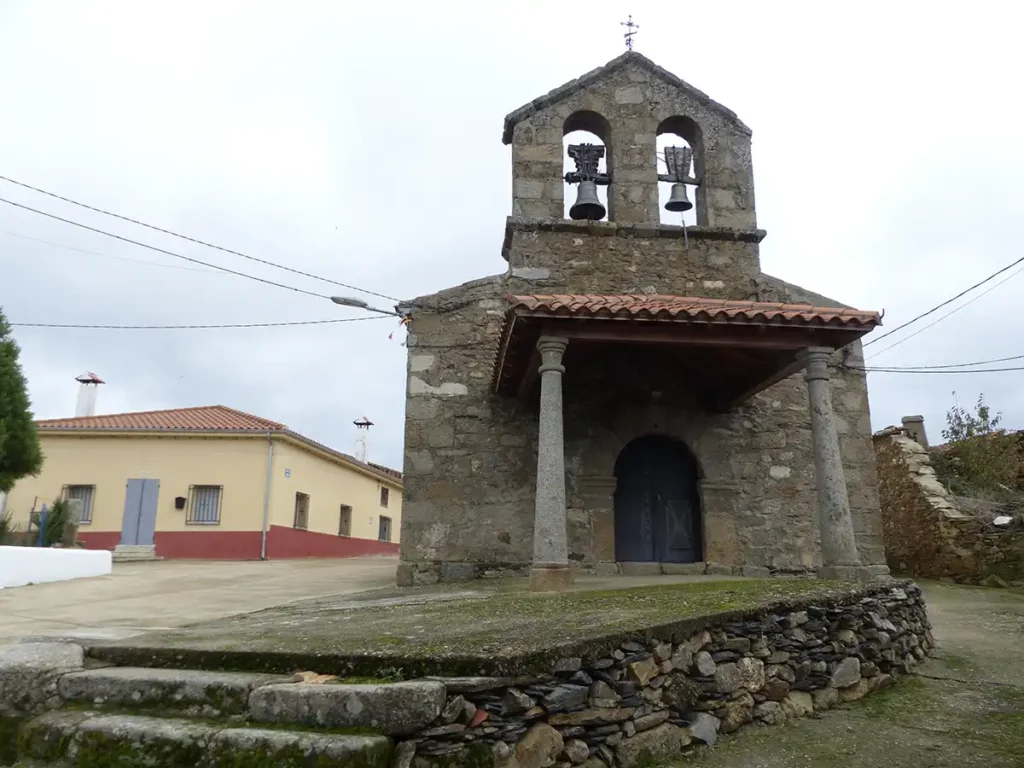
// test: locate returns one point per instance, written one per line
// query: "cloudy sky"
(362, 143)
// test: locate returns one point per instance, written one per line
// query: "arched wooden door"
(657, 507)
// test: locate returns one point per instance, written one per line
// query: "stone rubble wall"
(926, 533)
(653, 692)
(660, 695)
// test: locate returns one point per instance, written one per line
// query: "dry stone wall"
(657, 695)
(925, 532)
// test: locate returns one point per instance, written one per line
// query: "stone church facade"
(629, 396)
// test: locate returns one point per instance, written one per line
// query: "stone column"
(550, 543)
(838, 544)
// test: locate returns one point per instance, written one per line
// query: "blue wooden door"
(657, 508)
(139, 521)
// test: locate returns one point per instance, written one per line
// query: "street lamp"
(349, 301)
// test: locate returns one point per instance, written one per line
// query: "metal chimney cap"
(89, 378)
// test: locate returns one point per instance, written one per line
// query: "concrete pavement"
(172, 593)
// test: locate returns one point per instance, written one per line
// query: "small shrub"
(980, 460)
(56, 519)
(9, 534)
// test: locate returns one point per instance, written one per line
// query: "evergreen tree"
(20, 454)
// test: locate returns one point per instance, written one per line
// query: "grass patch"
(957, 662)
(906, 694)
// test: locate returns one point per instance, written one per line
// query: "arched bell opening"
(586, 160)
(657, 502)
(680, 150)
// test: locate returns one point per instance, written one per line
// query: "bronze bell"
(587, 206)
(678, 201)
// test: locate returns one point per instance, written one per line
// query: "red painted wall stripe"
(285, 542)
(282, 543)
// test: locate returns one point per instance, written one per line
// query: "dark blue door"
(657, 507)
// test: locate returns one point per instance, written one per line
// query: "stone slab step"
(194, 691)
(395, 709)
(134, 552)
(93, 739)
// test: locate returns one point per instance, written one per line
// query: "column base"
(851, 572)
(551, 578)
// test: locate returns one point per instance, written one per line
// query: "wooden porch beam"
(530, 374)
(707, 335)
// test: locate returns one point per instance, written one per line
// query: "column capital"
(551, 349)
(816, 360)
(552, 344)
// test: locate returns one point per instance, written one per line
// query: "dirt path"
(964, 708)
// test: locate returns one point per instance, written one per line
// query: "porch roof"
(737, 347)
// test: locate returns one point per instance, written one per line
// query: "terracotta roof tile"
(208, 417)
(202, 419)
(640, 307)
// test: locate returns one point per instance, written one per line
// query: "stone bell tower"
(628, 103)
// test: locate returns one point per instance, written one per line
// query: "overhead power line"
(195, 240)
(193, 327)
(161, 250)
(951, 312)
(108, 255)
(974, 370)
(951, 365)
(943, 304)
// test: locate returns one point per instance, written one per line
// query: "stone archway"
(657, 503)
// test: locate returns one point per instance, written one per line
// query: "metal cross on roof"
(631, 27)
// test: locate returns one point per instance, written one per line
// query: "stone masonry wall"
(656, 696)
(603, 258)
(926, 534)
(471, 456)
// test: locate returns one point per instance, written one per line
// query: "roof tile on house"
(201, 419)
(656, 307)
(207, 417)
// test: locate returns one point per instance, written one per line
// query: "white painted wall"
(37, 565)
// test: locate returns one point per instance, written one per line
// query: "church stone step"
(195, 691)
(392, 708)
(92, 739)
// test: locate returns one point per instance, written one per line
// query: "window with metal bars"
(385, 493)
(85, 494)
(301, 511)
(204, 505)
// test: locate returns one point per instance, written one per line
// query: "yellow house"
(212, 482)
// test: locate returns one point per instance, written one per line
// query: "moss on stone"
(491, 632)
(9, 727)
(47, 737)
(102, 750)
(474, 756)
(265, 756)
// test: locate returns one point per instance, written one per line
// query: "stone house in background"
(630, 396)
